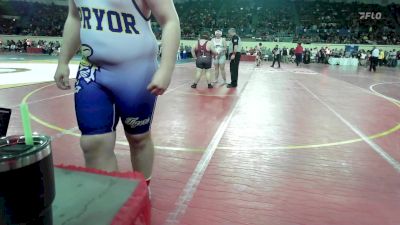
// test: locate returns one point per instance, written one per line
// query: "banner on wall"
(351, 48)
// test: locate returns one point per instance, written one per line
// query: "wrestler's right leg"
(216, 72)
(208, 77)
(98, 151)
(197, 78)
(97, 118)
(222, 62)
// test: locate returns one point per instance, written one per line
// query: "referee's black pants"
(277, 58)
(373, 63)
(234, 67)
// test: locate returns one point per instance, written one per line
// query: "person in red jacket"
(299, 53)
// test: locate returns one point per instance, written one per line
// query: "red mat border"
(137, 209)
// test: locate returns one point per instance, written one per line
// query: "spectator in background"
(291, 54)
(363, 58)
(13, 46)
(269, 54)
(307, 56)
(393, 58)
(374, 59)
(398, 56)
(178, 55)
(277, 53)
(321, 55)
(299, 53)
(368, 58)
(328, 53)
(181, 49)
(328, 22)
(243, 51)
(28, 43)
(188, 50)
(381, 57)
(25, 46)
(20, 46)
(314, 53)
(285, 54)
(386, 58)
(258, 54)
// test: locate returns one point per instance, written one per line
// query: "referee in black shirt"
(235, 57)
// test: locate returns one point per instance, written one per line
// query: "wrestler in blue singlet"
(119, 60)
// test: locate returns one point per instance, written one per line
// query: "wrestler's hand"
(160, 82)
(62, 77)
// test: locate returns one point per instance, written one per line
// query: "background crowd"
(388, 58)
(21, 46)
(297, 21)
(31, 18)
(294, 21)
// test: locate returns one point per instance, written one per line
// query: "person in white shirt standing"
(393, 58)
(258, 54)
(220, 46)
(374, 59)
(363, 57)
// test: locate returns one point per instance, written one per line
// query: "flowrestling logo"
(370, 15)
(135, 122)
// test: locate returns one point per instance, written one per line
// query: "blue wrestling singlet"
(119, 60)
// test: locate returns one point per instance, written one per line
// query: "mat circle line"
(308, 146)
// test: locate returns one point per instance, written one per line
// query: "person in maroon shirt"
(299, 53)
